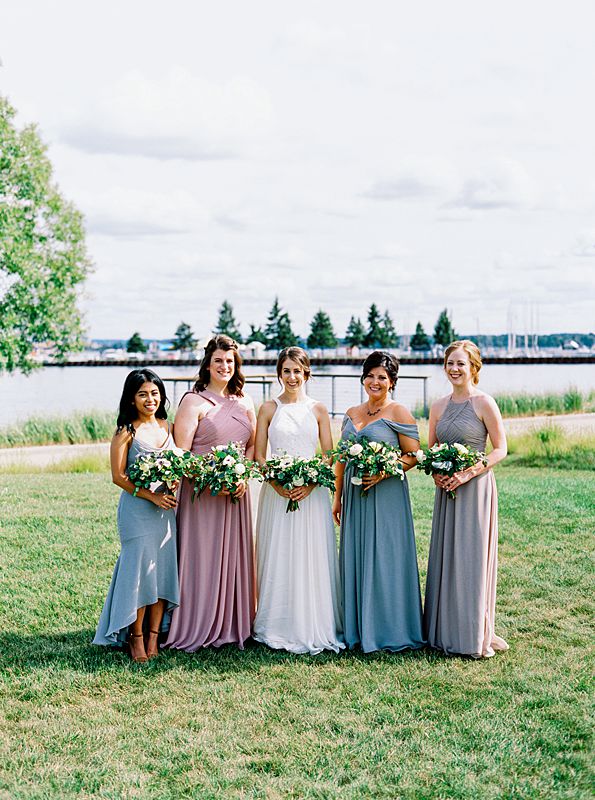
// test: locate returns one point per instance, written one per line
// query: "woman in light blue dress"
(144, 587)
(378, 560)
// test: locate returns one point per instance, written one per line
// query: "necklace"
(373, 413)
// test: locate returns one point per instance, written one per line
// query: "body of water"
(61, 390)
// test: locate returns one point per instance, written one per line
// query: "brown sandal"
(155, 633)
(136, 659)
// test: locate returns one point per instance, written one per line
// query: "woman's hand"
(439, 480)
(458, 479)
(337, 509)
(240, 490)
(301, 492)
(280, 490)
(371, 480)
(164, 501)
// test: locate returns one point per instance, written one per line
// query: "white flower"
(445, 465)
(228, 461)
(285, 462)
(178, 451)
(240, 469)
(461, 448)
(355, 450)
(298, 481)
(375, 446)
(356, 481)
(220, 447)
(420, 456)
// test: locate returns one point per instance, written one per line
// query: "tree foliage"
(444, 333)
(256, 334)
(420, 339)
(135, 344)
(373, 336)
(355, 333)
(226, 323)
(43, 257)
(278, 332)
(321, 331)
(184, 338)
(389, 336)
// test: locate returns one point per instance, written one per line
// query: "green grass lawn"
(80, 721)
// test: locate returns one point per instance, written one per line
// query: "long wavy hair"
(237, 380)
(127, 413)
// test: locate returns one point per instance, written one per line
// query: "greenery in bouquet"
(291, 472)
(446, 459)
(221, 469)
(368, 457)
(165, 467)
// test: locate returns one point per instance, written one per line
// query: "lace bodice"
(294, 428)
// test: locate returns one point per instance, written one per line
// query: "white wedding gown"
(298, 576)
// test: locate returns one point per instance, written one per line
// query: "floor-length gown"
(216, 550)
(147, 567)
(378, 559)
(460, 601)
(298, 574)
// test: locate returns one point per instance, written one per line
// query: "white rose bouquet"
(223, 468)
(164, 467)
(368, 457)
(446, 459)
(291, 472)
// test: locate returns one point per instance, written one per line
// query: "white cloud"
(502, 184)
(178, 116)
(414, 179)
(584, 245)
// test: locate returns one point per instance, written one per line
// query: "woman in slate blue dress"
(144, 586)
(378, 560)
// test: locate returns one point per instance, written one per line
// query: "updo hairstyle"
(472, 351)
(237, 380)
(380, 358)
(294, 354)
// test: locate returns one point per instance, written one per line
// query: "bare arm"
(265, 415)
(118, 459)
(436, 412)
(339, 475)
(248, 404)
(188, 414)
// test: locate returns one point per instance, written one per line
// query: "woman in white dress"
(297, 568)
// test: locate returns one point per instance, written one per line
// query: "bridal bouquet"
(446, 459)
(165, 466)
(291, 472)
(368, 457)
(223, 468)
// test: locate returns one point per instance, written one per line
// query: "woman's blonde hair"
(472, 351)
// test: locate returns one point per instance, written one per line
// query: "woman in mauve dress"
(216, 551)
(460, 602)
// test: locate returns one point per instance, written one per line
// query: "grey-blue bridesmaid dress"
(378, 559)
(147, 567)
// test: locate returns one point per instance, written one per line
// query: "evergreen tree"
(256, 335)
(226, 323)
(389, 334)
(43, 257)
(285, 336)
(321, 331)
(374, 334)
(444, 333)
(135, 344)
(356, 333)
(420, 339)
(184, 338)
(271, 330)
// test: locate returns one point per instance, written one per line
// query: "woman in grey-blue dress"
(144, 586)
(378, 560)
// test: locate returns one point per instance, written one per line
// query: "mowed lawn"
(80, 721)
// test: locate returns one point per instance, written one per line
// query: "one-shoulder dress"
(299, 604)
(147, 567)
(216, 562)
(460, 604)
(378, 559)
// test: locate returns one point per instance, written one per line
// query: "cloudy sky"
(416, 155)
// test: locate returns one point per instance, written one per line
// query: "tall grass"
(528, 405)
(551, 446)
(83, 428)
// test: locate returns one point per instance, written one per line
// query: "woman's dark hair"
(127, 412)
(380, 358)
(294, 354)
(237, 380)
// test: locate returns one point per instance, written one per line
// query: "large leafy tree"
(444, 333)
(184, 338)
(43, 257)
(374, 333)
(135, 344)
(420, 339)
(226, 322)
(321, 331)
(355, 334)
